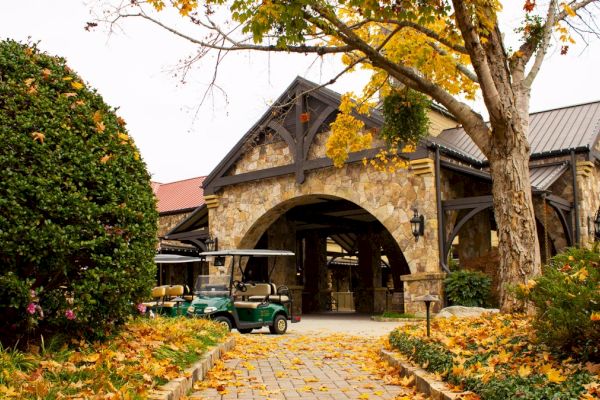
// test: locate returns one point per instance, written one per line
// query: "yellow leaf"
(555, 376)
(363, 396)
(38, 137)
(524, 371)
(91, 358)
(97, 116)
(100, 127)
(76, 85)
(105, 159)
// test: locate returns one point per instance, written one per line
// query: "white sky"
(133, 70)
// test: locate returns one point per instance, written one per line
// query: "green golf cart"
(242, 304)
(170, 300)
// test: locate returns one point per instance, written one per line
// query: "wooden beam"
(285, 135)
(467, 202)
(314, 128)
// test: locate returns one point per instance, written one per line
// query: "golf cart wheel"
(279, 325)
(223, 321)
(244, 330)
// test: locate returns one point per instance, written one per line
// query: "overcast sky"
(134, 70)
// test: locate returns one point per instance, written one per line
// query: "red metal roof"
(181, 195)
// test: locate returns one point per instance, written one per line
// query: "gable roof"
(554, 131)
(179, 196)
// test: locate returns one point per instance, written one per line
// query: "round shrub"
(468, 288)
(567, 302)
(77, 213)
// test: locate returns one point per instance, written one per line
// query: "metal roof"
(179, 196)
(248, 252)
(174, 259)
(550, 131)
(543, 176)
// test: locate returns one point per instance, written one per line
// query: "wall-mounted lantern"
(417, 224)
(211, 244)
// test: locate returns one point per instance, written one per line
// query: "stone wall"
(166, 222)
(273, 154)
(588, 183)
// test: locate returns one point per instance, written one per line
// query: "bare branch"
(321, 50)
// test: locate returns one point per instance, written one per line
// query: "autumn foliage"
(144, 355)
(498, 357)
(567, 302)
(77, 214)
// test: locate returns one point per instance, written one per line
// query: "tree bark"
(513, 206)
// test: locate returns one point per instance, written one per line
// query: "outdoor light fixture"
(597, 226)
(417, 223)
(428, 299)
(211, 244)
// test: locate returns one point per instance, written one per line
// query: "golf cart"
(242, 304)
(170, 300)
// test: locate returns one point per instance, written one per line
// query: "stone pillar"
(475, 237)
(368, 273)
(281, 235)
(421, 284)
(315, 273)
(588, 186)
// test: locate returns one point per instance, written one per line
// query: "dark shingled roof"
(567, 128)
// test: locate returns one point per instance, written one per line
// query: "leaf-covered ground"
(497, 357)
(145, 354)
(294, 366)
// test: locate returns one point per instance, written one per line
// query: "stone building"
(175, 202)
(277, 189)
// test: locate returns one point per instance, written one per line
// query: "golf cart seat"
(173, 294)
(158, 294)
(255, 292)
(277, 298)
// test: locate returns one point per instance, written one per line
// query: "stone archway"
(321, 229)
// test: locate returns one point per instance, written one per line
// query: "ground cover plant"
(145, 354)
(468, 288)
(496, 356)
(78, 217)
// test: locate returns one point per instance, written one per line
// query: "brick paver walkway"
(300, 366)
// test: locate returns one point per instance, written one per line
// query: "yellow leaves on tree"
(347, 134)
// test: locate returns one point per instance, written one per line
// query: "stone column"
(368, 273)
(421, 284)
(588, 186)
(282, 236)
(315, 273)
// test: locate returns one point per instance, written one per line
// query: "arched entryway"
(346, 260)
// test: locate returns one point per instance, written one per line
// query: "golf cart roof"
(174, 259)
(248, 252)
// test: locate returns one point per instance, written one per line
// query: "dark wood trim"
(252, 176)
(467, 202)
(195, 234)
(559, 202)
(440, 213)
(314, 129)
(284, 134)
(575, 198)
(474, 211)
(465, 169)
(299, 125)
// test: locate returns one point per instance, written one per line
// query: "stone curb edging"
(408, 320)
(424, 381)
(179, 387)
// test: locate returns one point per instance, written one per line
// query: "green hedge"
(567, 302)
(77, 214)
(468, 288)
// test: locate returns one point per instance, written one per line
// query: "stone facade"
(244, 212)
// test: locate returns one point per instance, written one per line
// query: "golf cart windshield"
(242, 256)
(212, 285)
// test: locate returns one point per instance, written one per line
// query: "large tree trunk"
(513, 207)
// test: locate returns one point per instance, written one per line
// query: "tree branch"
(321, 50)
(543, 47)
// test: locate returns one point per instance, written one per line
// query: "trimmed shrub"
(567, 302)
(77, 213)
(468, 288)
